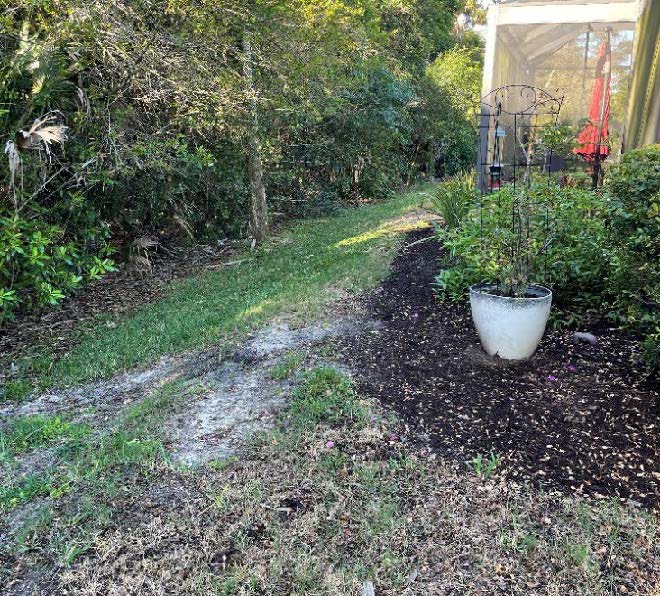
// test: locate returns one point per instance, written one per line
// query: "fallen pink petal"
(330, 444)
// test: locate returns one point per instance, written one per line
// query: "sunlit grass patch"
(296, 275)
(398, 226)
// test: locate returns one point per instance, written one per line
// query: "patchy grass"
(16, 390)
(329, 499)
(75, 497)
(326, 397)
(26, 433)
(298, 274)
(285, 369)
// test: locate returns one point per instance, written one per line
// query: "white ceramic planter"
(510, 328)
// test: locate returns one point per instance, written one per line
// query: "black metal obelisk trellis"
(514, 122)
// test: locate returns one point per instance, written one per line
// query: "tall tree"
(258, 206)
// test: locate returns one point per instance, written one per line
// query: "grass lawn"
(326, 501)
(296, 274)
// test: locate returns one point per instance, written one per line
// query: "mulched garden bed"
(576, 417)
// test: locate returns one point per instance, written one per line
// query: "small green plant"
(222, 464)
(220, 498)
(16, 390)
(576, 553)
(12, 495)
(284, 370)
(333, 461)
(518, 538)
(30, 432)
(326, 397)
(455, 197)
(485, 467)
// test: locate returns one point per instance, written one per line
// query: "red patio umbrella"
(596, 131)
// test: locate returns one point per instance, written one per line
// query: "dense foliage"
(546, 243)
(130, 118)
(598, 251)
(633, 189)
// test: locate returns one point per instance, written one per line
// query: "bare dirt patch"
(576, 417)
(237, 396)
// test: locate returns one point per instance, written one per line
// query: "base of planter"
(510, 328)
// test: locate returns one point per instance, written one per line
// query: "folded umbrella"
(596, 130)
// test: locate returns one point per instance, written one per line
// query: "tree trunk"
(258, 207)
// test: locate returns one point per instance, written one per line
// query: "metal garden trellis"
(512, 120)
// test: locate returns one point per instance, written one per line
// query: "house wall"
(643, 125)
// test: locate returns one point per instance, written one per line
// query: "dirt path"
(239, 394)
(576, 417)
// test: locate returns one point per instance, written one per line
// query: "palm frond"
(42, 133)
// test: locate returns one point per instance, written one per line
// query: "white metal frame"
(552, 13)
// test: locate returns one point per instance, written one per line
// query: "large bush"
(633, 189)
(564, 249)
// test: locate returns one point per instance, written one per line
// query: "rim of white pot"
(485, 289)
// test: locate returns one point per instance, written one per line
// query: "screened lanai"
(563, 47)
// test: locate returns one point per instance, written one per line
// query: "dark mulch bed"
(593, 430)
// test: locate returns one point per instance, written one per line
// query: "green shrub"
(455, 197)
(633, 190)
(40, 262)
(564, 248)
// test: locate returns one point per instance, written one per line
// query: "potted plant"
(510, 312)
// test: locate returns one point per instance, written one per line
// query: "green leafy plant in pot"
(510, 312)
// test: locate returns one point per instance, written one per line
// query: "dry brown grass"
(295, 515)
